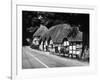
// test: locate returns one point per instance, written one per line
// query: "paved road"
(32, 58)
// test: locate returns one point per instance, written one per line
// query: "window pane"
(70, 52)
(70, 47)
(74, 47)
(74, 52)
(67, 43)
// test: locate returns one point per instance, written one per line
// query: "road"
(32, 58)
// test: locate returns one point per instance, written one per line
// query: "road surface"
(32, 58)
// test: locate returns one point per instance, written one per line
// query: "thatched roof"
(61, 31)
(78, 37)
(57, 32)
(41, 31)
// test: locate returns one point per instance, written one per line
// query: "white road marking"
(39, 61)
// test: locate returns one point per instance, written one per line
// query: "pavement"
(32, 58)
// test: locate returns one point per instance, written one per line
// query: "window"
(72, 49)
(66, 43)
